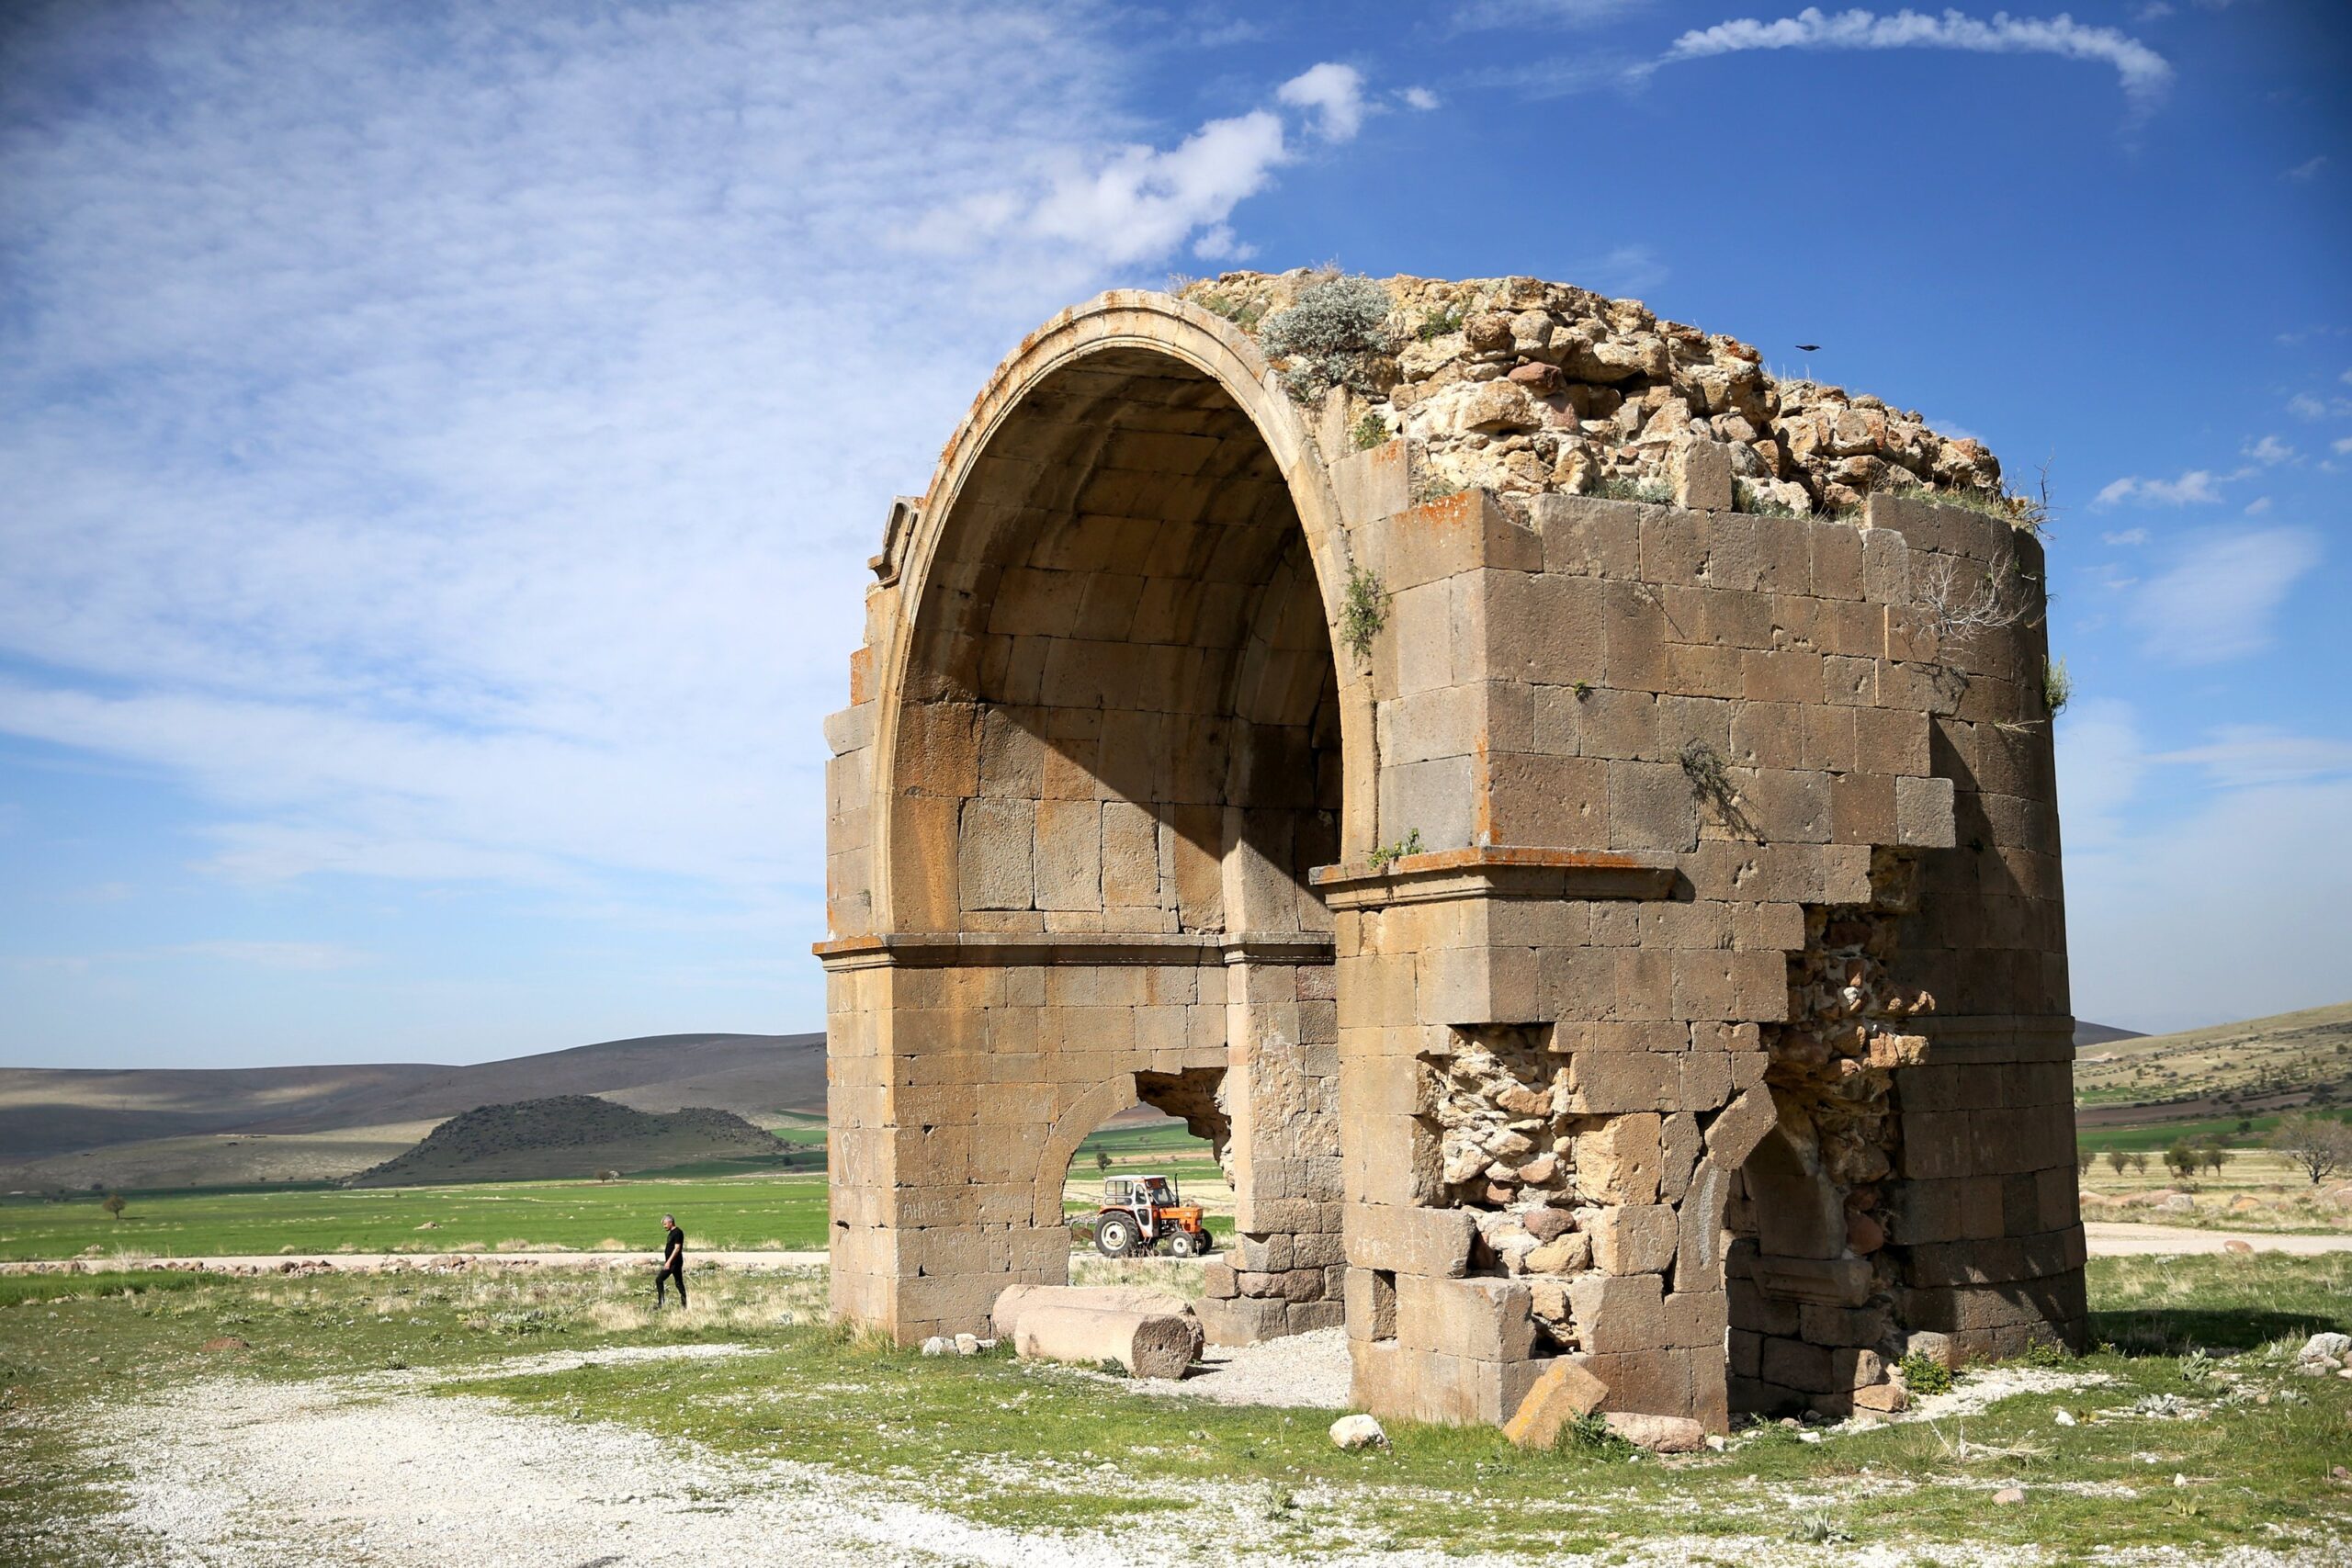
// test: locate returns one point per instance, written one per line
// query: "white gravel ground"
(1306, 1370)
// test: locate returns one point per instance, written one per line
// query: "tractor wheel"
(1114, 1235)
(1188, 1244)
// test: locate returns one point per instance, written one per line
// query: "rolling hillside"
(166, 1127)
(2258, 1066)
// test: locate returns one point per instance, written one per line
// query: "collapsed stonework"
(1592, 875)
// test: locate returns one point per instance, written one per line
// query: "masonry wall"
(1642, 943)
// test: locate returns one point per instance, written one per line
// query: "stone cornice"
(948, 950)
(1496, 871)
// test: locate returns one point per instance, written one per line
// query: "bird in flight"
(1808, 348)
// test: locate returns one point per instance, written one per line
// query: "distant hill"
(158, 1127)
(567, 1135)
(2255, 1067)
(2101, 1034)
(53, 1110)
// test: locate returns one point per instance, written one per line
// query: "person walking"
(673, 1263)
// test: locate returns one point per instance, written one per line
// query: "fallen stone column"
(1017, 1298)
(1149, 1344)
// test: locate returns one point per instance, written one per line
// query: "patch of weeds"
(1923, 1375)
(1276, 1501)
(2047, 1353)
(1710, 782)
(1363, 612)
(1437, 323)
(1333, 334)
(1369, 431)
(1746, 497)
(1429, 487)
(1816, 1528)
(1389, 854)
(1591, 1434)
(1242, 313)
(2196, 1367)
(1583, 689)
(2057, 686)
(1652, 492)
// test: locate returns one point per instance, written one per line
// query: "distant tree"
(2083, 1158)
(1102, 1160)
(2246, 1125)
(2139, 1161)
(609, 1176)
(2321, 1144)
(2117, 1159)
(2181, 1160)
(115, 1205)
(2211, 1155)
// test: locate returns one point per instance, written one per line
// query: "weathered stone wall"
(1615, 929)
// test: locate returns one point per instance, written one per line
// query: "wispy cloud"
(2197, 487)
(2219, 599)
(2269, 450)
(2145, 75)
(2307, 169)
(1419, 99)
(2303, 405)
(1480, 15)
(2124, 538)
(465, 471)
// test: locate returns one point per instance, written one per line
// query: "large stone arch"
(1107, 743)
(1658, 800)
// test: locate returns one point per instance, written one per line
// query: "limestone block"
(1646, 1382)
(1619, 1163)
(1476, 1319)
(1700, 474)
(1602, 1082)
(1637, 1238)
(1619, 1313)
(1923, 809)
(1563, 1392)
(1652, 806)
(1243, 1321)
(1407, 1240)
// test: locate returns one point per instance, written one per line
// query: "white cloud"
(1478, 15)
(2258, 506)
(2229, 907)
(1419, 99)
(2196, 486)
(2302, 405)
(2146, 76)
(2218, 600)
(1628, 269)
(2307, 169)
(2153, 11)
(1335, 94)
(466, 470)
(2125, 537)
(2269, 449)
(2341, 446)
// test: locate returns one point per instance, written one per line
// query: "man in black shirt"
(673, 1263)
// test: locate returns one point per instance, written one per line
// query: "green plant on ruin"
(1748, 499)
(2057, 686)
(1387, 855)
(1362, 612)
(1923, 1375)
(1426, 487)
(1370, 430)
(1242, 313)
(1653, 492)
(1437, 323)
(1583, 689)
(1334, 333)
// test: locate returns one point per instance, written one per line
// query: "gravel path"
(1304, 1371)
(2113, 1239)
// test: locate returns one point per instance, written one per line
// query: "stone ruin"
(1567, 815)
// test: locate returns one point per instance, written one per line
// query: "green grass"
(2155, 1135)
(718, 1211)
(1019, 1444)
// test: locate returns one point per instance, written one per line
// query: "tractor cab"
(1139, 1212)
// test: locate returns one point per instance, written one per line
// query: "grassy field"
(719, 1212)
(2194, 1382)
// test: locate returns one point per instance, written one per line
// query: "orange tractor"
(1139, 1212)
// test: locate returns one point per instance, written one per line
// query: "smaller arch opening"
(1154, 1181)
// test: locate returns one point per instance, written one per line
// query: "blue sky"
(439, 446)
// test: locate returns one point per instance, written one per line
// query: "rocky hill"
(567, 1135)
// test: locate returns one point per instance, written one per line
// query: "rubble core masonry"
(1567, 815)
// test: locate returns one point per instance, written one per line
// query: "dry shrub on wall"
(1334, 333)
